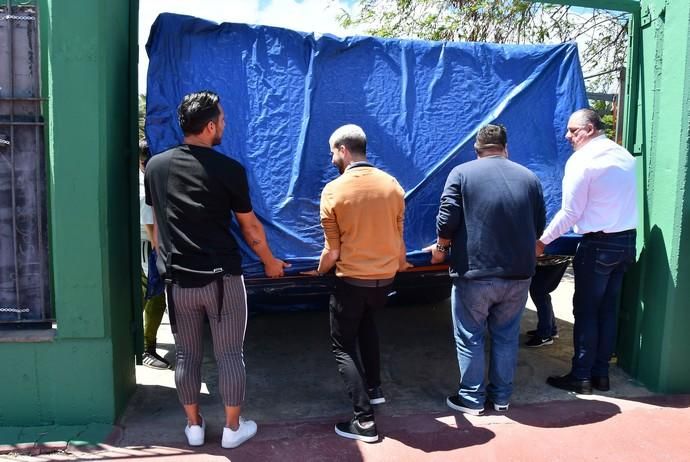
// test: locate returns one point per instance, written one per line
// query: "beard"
(217, 139)
(340, 165)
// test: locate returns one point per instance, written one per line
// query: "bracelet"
(442, 248)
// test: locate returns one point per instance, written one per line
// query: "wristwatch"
(442, 248)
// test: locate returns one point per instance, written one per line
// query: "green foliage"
(142, 115)
(602, 107)
(605, 111)
(609, 122)
(604, 33)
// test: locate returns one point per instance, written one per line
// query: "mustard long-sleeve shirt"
(362, 214)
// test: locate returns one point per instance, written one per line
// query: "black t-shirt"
(193, 191)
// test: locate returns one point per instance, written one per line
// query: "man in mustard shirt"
(362, 213)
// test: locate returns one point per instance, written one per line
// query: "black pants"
(546, 280)
(352, 329)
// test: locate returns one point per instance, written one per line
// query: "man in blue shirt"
(491, 210)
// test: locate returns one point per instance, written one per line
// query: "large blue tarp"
(419, 102)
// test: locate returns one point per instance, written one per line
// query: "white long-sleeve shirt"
(599, 191)
(145, 218)
(145, 211)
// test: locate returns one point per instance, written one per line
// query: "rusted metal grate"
(24, 277)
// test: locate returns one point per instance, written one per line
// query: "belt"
(368, 282)
(603, 234)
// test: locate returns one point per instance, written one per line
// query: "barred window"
(24, 277)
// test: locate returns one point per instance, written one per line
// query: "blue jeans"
(477, 304)
(599, 264)
(546, 280)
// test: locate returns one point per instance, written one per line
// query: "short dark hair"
(196, 110)
(590, 116)
(491, 137)
(144, 151)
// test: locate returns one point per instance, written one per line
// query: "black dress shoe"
(601, 383)
(570, 383)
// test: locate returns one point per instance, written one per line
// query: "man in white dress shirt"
(599, 202)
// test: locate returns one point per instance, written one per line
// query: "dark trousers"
(545, 280)
(599, 264)
(355, 342)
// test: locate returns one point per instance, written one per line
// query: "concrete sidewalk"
(296, 396)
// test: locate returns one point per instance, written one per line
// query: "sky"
(318, 16)
(303, 15)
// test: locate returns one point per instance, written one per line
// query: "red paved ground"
(591, 429)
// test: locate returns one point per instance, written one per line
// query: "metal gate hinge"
(646, 17)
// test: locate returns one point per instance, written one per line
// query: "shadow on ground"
(296, 395)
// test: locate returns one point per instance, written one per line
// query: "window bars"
(24, 276)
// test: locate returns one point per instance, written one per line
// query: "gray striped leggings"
(228, 338)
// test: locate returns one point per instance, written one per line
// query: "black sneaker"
(155, 361)
(536, 342)
(376, 395)
(354, 430)
(455, 402)
(533, 332)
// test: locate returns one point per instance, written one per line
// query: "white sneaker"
(195, 433)
(501, 407)
(232, 439)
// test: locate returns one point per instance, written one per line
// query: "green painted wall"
(89, 64)
(655, 311)
(87, 373)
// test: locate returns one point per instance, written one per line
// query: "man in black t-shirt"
(194, 191)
